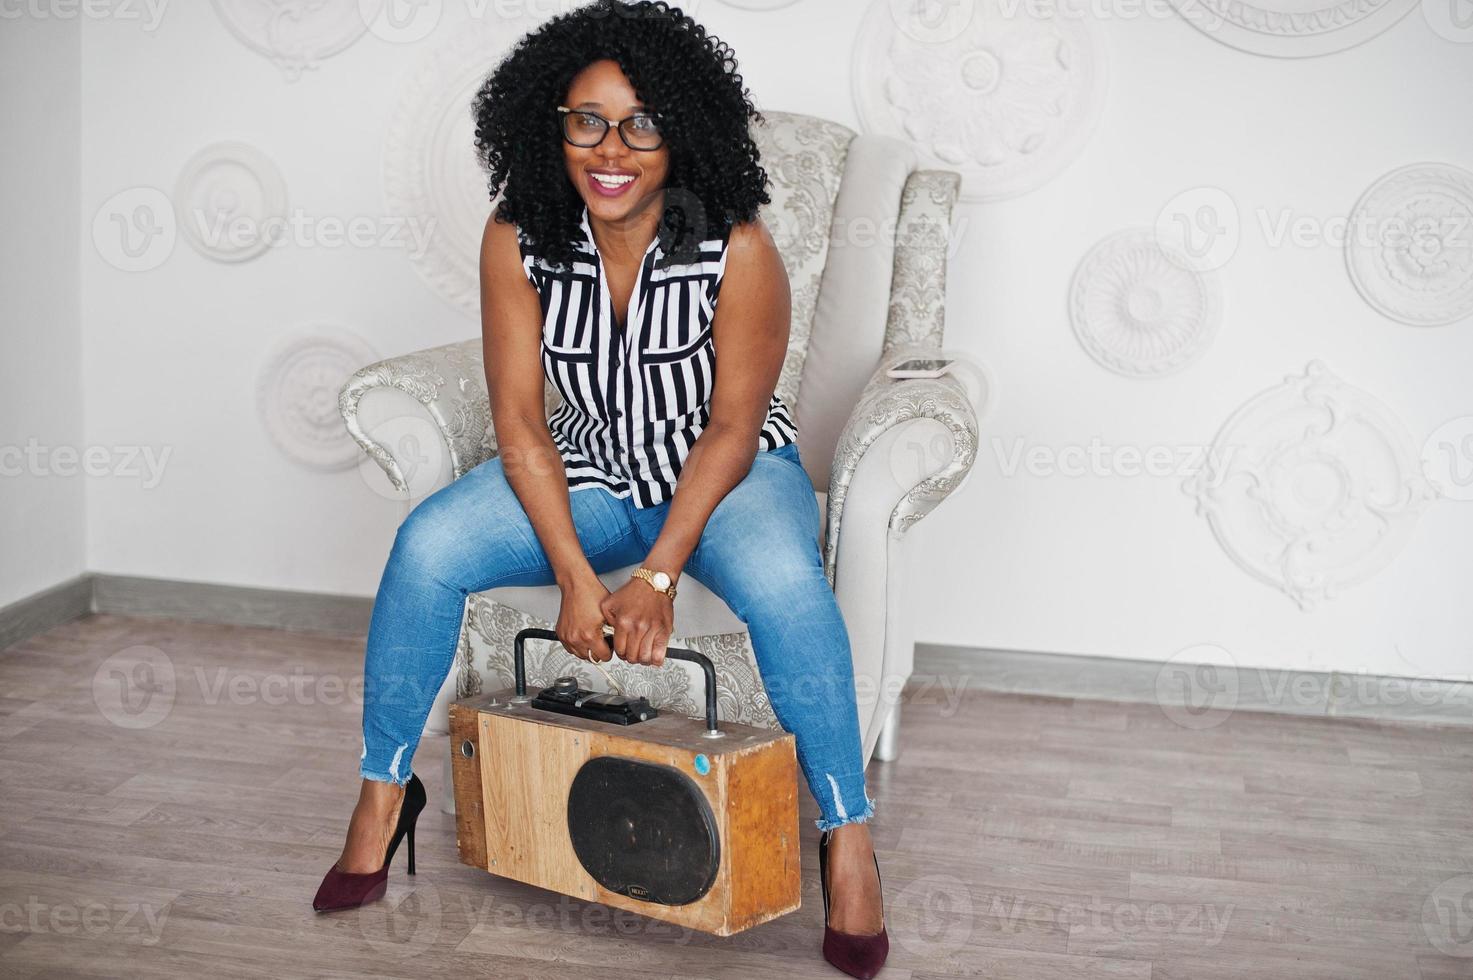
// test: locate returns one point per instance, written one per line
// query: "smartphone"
(920, 367)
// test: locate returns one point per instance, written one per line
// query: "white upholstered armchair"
(864, 235)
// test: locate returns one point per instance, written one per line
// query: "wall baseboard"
(1202, 696)
(133, 595)
(42, 610)
(1194, 695)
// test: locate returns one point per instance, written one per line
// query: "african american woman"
(617, 136)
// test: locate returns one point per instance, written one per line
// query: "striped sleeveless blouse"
(635, 396)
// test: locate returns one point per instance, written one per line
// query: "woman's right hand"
(580, 621)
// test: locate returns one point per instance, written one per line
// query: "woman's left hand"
(643, 620)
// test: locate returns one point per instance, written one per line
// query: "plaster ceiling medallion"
(229, 200)
(297, 394)
(1141, 310)
(1292, 28)
(1311, 486)
(431, 173)
(1006, 96)
(295, 34)
(1409, 244)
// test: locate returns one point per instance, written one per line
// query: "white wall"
(42, 534)
(1104, 564)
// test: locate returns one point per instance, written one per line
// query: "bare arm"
(750, 330)
(511, 335)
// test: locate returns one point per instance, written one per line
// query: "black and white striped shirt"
(634, 397)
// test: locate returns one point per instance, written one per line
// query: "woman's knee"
(462, 531)
(772, 582)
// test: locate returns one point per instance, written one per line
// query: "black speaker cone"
(643, 830)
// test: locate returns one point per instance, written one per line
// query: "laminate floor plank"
(1019, 836)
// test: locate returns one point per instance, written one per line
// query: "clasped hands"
(634, 622)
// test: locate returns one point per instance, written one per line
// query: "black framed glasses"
(586, 128)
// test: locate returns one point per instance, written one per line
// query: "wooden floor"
(183, 831)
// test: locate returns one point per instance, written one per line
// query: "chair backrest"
(863, 234)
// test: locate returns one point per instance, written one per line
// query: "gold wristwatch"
(659, 581)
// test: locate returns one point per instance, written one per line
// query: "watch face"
(660, 580)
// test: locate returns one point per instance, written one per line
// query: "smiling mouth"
(611, 183)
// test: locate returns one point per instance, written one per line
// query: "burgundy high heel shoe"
(857, 955)
(348, 889)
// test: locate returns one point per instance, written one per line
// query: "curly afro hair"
(679, 71)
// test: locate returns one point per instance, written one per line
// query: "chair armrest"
(925, 470)
(449, 382)
(923, 240)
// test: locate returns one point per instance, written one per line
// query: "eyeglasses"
(587, 129)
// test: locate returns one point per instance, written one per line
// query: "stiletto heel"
(348, 889)
(857, 955)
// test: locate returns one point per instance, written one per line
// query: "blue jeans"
(758, 552)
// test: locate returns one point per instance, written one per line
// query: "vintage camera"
(566, 697)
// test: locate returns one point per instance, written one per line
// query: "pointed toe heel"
(859, 956)
(347, 889)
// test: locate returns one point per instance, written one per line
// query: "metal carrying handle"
(519, 662)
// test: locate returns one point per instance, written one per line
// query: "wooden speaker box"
(667, 816)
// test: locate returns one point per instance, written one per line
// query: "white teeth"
(610, 181)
